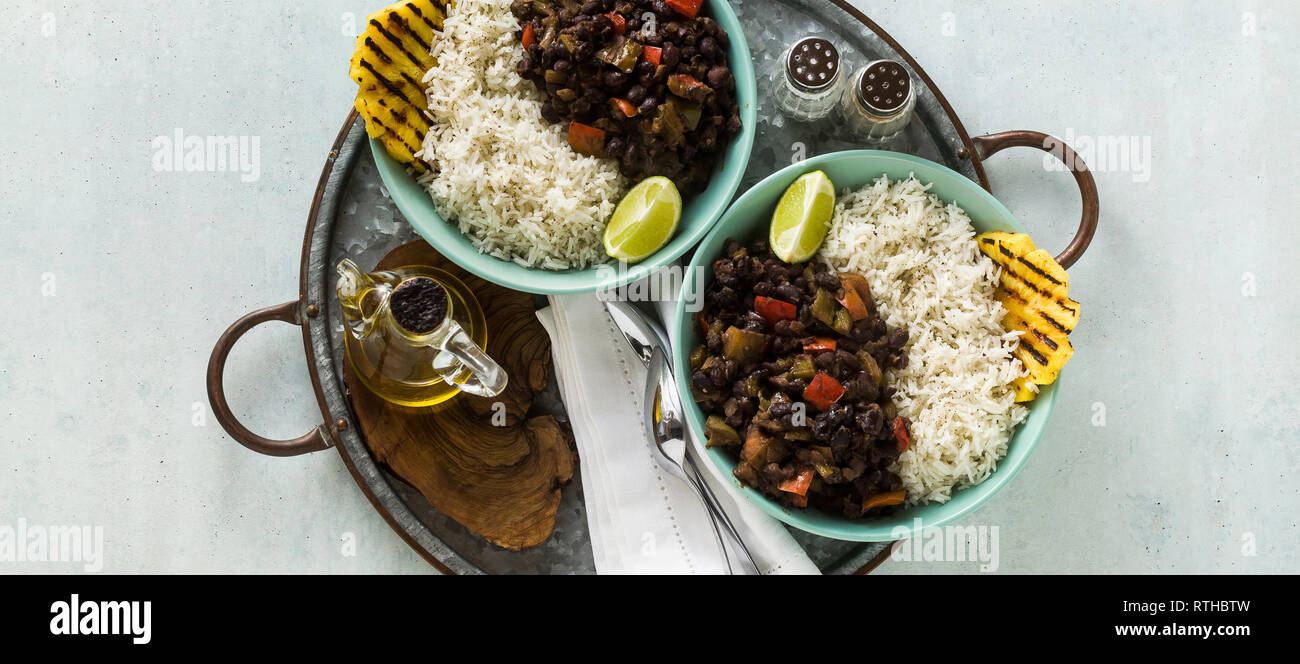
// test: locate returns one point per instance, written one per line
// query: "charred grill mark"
(416, 10)
(1052, 321)
(1037, 270)
(397, 138)
(394, 39)
(406, 26)
(1034, 352)
(374, 48)
(1045, 339)
(392, 87)
(1018, 321)
(1006, 267)
(1041, 314)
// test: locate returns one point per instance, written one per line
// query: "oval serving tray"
(352, 217)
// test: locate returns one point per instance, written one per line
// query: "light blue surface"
(698, 215)
(1174, 442)
(750, 218)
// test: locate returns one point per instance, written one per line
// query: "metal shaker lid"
(813, 64)
(885, 87)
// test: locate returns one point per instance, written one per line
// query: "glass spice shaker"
(879, 103)
(806, 80)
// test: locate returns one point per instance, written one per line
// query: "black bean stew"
(792, 377)
(644, 82)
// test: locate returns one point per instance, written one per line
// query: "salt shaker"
(806, 81)
(878, 105)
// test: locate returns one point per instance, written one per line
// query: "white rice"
(919, 256)
(505, 177)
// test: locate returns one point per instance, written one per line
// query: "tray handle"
(991, 144)
(314, 441)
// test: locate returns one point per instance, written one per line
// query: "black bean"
(549, 113)
(701, 380)
(898, 338)
(614, 147)
(671, 56)
(824, 360)
(827, 280)
(708, 47)
(615, 79)
(718, 76)
(789, 293)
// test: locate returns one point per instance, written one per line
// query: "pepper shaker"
(806, 80)
(879, 103)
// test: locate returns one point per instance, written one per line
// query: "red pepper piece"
(687, 8)
(900, 433)
(774, 310)
(530, 36)
(587, 140)
(652, 54)
(798, 484)
(823, 391)
(820, 345)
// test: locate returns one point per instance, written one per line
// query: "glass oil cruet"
(415, 335)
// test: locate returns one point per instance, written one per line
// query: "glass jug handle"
(464, 365)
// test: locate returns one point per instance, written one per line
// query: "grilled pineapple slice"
(389, 63)
(1035, 290)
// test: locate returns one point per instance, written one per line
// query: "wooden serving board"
(501, 482)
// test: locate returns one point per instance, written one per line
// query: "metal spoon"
(664, 415)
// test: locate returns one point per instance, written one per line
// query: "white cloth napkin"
(642, 519)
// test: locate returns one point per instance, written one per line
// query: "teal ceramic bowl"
(749, 219)
(698, 215)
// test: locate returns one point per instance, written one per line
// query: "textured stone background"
(120, 278)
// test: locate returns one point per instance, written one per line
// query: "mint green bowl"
(698, 215)
(749, 219)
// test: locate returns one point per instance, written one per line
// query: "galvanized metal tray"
(352, 217)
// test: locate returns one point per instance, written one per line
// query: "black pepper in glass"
(812, 64)
(884, 87)
(419, 305)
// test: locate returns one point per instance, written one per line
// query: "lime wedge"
(802, 218)
(644, 221)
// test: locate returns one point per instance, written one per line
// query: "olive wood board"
(504, 482)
